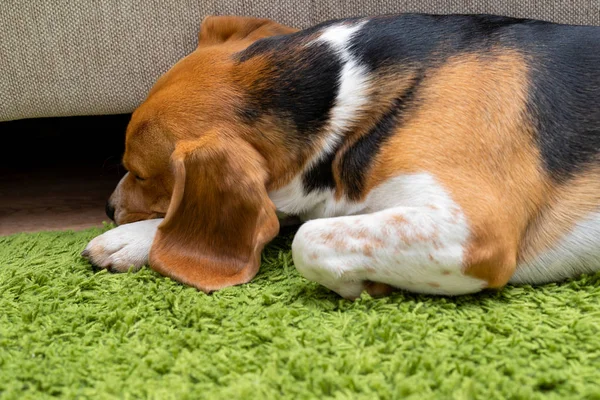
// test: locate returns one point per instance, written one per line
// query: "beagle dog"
(435, 154)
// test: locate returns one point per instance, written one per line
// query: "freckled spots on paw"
(408, 233)
(419, 237)
(411, 239)
(405, 239)
(363, 235)
(339, 244)
(334, 240)
(411, 247)
(359, 235)
(312, 237)
(398, 220)
(377, 243)
(328, 237)
(338, 226)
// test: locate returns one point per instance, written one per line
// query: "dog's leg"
(127, 246)
(420, 249)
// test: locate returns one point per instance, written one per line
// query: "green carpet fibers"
(70, 332)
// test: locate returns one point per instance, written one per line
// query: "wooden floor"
(55, 199)
(58, 173)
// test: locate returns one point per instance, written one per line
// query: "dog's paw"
(124, 247)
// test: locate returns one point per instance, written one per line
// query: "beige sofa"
(64, 58)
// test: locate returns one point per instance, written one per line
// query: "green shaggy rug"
(69, 332)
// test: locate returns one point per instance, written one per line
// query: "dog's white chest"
(292, 199)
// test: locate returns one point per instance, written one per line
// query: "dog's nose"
(110, 210)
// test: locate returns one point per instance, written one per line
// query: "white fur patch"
(292, 200)
(126, 246)
(417, 245)
(575, 254)
(339, 35)
(354, 81)
(409, 190)
(353, 86)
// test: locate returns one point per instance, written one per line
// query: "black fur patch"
(565, 97)
(423, 39)
(320, 175)
(301, 84)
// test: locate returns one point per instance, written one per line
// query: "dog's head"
(189, 160)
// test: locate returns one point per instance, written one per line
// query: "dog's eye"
(139, 178)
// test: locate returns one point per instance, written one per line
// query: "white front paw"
(123, 248)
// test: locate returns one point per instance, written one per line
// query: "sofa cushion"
(62, 58)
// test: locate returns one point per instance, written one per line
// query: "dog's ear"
(221, 29)
(220, 216)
